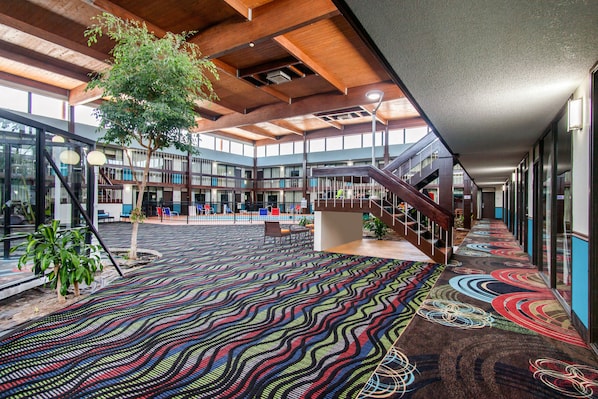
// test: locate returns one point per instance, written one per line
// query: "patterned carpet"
(489, 329)
(221, 315)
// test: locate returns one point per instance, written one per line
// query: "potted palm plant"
(65, 252)
(377, 227)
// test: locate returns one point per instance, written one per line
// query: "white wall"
(336, 228)
(581, 164)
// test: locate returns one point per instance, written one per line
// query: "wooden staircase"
(400, 206)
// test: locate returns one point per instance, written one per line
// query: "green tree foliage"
(152, 87)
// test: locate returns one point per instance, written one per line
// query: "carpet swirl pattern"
(254, 321)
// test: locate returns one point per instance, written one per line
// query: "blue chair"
(168, 212)
(199, 209)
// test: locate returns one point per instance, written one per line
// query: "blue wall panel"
(498, 213)
(530, 237)
(579, 284)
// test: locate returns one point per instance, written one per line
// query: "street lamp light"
(374, 95)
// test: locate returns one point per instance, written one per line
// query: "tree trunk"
(58, 284)
(76, 288)
(142, 184)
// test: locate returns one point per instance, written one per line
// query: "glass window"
(271, 150)
(236, 148)
(286, 148)
(47, 106)
(353, 141)
(334, 143)
(13, 99)
(222, 145)
(248, 150)
(396, 137)
(547, 171)
(415, 134)
(206, 141)
(261, 151)
(317, 145)
(84, 114)
(298, 147)
(564, 213)
(367, 140)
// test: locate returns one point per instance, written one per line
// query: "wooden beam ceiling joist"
(269, 20)
(51, 37)
(259, 131)
(80, 95)
(288, 126)
(118, 11)
(275, 93)
(241, 8)
(21, 83)
(267, 67)
(41, 61)
(303, 106)
(306, 59)
(232, 71)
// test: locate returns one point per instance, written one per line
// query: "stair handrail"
(410, 152)
(398, 187)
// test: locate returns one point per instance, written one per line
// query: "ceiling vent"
(278, 77)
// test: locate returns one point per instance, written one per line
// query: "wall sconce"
(575, 114)
(96, 158)
(69, 157)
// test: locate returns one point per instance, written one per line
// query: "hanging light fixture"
(58, 139)
(69, 157)
(575, 114)
(96, 158)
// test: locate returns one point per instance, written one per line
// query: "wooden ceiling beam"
(22, 83)
(118, 11)
(51, 37)
(304, 106)
(80, 95)
(269, 20)
(232, 71)
(43, 62)
(275, 93)
(288, 126)
(267, 67)
(259, 131)
(370, 108)
(301, 55)
(241, 8)
(334, 124)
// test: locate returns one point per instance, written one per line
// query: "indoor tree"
(151, 89)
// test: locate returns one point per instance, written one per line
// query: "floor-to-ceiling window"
(563, 212)
(546, 204)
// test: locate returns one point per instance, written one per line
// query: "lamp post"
(96, 159)
(374, 95)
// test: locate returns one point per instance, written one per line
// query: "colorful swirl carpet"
(223, 321)
(490, 328)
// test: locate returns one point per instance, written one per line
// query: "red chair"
(159, 211)
(275, 211)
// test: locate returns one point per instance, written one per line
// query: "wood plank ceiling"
(287, 67)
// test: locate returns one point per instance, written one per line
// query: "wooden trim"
(581, 236)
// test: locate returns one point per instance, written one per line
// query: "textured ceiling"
(489, 75)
